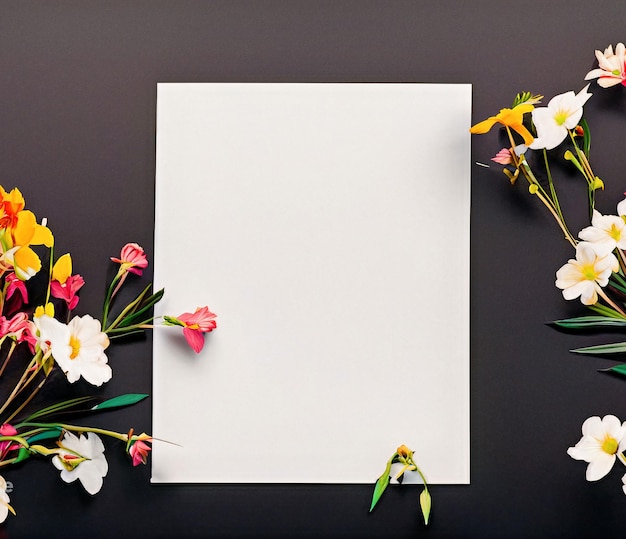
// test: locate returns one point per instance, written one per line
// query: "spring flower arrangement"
(596, 273)
(41, 338)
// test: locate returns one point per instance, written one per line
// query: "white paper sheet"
(328, 227)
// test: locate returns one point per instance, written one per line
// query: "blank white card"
(327, 225)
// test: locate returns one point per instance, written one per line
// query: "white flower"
(563, 112)
(602, 440)
(605, 233)
(82, 458)
(78, 347)
(4, 501)
(624, 483)
(584, 275)
(621, 208)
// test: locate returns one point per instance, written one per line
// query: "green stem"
(554, 197)
(109, 296)
(606, 298)
(78, 428)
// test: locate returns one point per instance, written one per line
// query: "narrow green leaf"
(121, 400)
(144, 308)
(425, 504)
(379, 488)
(583, 322)
(606, 311)
(46, 435)
(59, 406)
(614, 348)
(618, 369)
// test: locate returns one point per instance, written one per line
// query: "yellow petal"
(484, 126)
(62, 269)
(42, 236)
(48, 309)
(25, 227)
(26, 263)
(526, 134)
(524, 108)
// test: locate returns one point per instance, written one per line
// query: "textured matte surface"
(77, 119)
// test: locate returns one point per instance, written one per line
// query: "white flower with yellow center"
(563, 112)
(605, 233)
(585, 275)
(603, 439)
(78, 347)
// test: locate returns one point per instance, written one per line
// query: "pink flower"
(503, 157)
(611, 68)
(68, 290)
(7, 445)
(139, 452)
(15, 285)
(195, 325)
(132, 259)
(15, 327)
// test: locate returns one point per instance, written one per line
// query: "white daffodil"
(4, 501)
(605, 233)
(78, 347)
(563, 112)
(584, 275)
(82, 457)
(624, 483)
(602, 440)
(621, 208)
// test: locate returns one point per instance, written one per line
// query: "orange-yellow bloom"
(512, 118)
(11, 204)
(16, 242)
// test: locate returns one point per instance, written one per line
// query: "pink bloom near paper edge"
(196, 324)
(132, 258)
(139, 452)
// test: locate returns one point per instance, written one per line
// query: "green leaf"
(425, 504)
(59, 406)
(606, 311)
(22, 454)
(614, 348)
(618, 369)
(121, 400)
(583, 322)
(379, 488)
(145, 306)
(46, 435)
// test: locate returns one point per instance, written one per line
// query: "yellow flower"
(47, 309)
(512, 118)
(16, 242)
(62, 268)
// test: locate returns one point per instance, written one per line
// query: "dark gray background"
(77, 135)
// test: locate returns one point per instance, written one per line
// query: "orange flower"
(512, 118)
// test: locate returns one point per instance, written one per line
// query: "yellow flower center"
(615, 232)
(609, 445)
(589, 272)
(75, 344)
(560, 117)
